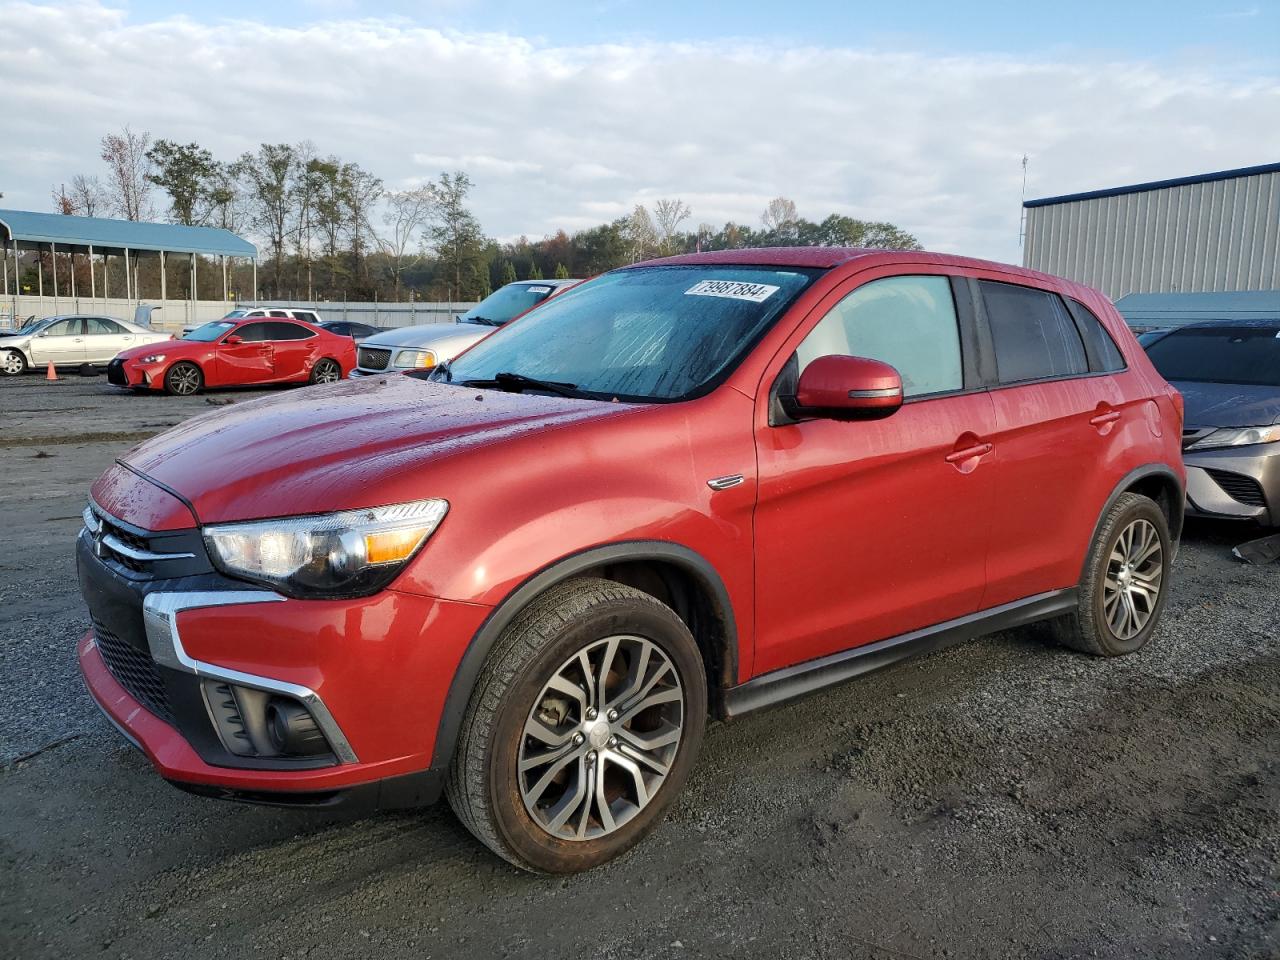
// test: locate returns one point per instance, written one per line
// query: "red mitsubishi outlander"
(692, 487)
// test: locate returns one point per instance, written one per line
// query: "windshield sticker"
(539, 289)
(733, 290)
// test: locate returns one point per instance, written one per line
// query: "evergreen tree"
(562, 272)
(535, 272)
(508, 272)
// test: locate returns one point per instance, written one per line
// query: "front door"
(62, 343)
(249, 360)
(866, 530)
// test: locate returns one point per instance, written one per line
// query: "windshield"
(1227, 354)
(509, 302)
(647, 333)
(209, 331)
(236, 314)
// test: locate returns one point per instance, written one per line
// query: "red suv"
(692, 487)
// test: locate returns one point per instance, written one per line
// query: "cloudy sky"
(568, 114)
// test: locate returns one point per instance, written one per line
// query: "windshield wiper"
(518, 382)
(484, 321)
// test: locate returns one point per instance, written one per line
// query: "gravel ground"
(1002, 799)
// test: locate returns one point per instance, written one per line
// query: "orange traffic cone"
(51, 374)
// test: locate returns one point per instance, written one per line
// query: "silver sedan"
(68, 341)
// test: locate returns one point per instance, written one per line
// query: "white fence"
(173, 315)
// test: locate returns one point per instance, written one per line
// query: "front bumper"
(136, 374)
(1239, 483)
(373, 672)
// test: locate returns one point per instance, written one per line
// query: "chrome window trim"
(160, 618)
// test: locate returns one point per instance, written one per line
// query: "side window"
(287, 331)
(1104, 355)
(1033, 335)
(66, 328)
(101, 326)
(908, 322)
(251, 332)
(277, 313)
(304, 315)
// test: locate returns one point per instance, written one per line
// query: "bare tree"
(62, 201)
(408, 211)
(88, 198)
(668, 215)
(780, 216)
(128, 169)
(641, 235)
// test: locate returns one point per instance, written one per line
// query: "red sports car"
(235, 353)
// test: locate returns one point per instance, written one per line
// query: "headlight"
(347, 554)
(1237, 437)
(153, 358)
(416, 359)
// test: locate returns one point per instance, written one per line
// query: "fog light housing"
(255, 723)
(292, 729)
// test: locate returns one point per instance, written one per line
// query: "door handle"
(968, 453)
(1111, 416)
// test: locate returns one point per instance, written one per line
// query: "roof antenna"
(1022, 216)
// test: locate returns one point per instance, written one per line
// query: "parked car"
(349, 328)
(706, 484)
(1148, 337)
(424, 346)
(236, 353)
(255, 313)
(71, 340)
(1228, 373)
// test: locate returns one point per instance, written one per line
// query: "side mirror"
(848, 388)
(232, 340)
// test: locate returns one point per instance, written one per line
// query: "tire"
(522, 687)
(1130, 555)
(183, 379)
(12, 363)
(326, 371)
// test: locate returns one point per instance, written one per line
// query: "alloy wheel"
(11, 363)
(184, 380)
(1135, 571)
(327, 372)
(601, 738)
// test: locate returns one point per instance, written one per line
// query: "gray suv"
(426, 346)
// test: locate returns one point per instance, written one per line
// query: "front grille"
(133, 670)
(128, 539)
(1243, 489)
(116, 374)
(372, 358)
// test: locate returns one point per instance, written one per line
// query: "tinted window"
(277, 313)
(1034, 338)
(1224, 354)
(908, 322)
(286, 331)
(251, 332)
(644, 333)
(101, 326)
(1103, 353)
(304, 315)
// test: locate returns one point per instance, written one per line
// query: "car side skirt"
(788, 683)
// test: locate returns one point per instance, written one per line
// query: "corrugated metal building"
(1213, 232)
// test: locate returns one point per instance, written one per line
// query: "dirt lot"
(1002, 799)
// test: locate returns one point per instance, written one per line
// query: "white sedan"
(68, 341)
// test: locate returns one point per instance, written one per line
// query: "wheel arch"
(674, 574)
(1156, 481)
(164, 375)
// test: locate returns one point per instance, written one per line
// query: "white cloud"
(566, 136)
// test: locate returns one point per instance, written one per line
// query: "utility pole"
(1022, 210)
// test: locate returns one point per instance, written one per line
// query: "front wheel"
(183, 379)
(326, 371)
(12, 363)
(1123, 591)
(582, 728)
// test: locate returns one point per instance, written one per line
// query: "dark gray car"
(1228, 373)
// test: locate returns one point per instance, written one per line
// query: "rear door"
(867, 530)
(1060, 417)
(292, 346)
(104, 338)
(248, 361)
(62, 343)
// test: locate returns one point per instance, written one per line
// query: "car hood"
(355, 444)
(426, 335)
(1229, 404)
(171, 347)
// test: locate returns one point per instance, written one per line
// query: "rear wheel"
(183, 379)
(1123, 591)
(12, 363)
(583, 726)
(326, 371)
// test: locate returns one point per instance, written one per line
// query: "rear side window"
(287, 331)
(101, 326)
(1104, 355)
(1033, 336)
(907, 322)
(251, 332)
